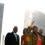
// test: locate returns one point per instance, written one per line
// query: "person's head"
(40, 31)
(35, 29)
(29, 29)
(25, 31)
(15, 29)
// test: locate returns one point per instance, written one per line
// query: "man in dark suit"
(12, 38)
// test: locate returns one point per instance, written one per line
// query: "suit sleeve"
(18, 40)
(7, 39)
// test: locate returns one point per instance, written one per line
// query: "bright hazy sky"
(14, 12)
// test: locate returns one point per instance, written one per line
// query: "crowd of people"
(31, 36)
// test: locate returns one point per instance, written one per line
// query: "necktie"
(15, 36)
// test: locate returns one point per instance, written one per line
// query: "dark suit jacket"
(10, 39)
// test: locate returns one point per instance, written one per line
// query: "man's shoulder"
(8, 34)
(17, 35)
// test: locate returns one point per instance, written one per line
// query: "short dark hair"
(35, 27)
(15, 29)
(25, 30)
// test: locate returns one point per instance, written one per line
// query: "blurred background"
(21, 13)
(1, 17)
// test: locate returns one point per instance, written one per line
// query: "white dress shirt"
(15, 36)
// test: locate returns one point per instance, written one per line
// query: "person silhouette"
(12, 38)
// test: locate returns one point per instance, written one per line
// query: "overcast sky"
(14, 12)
